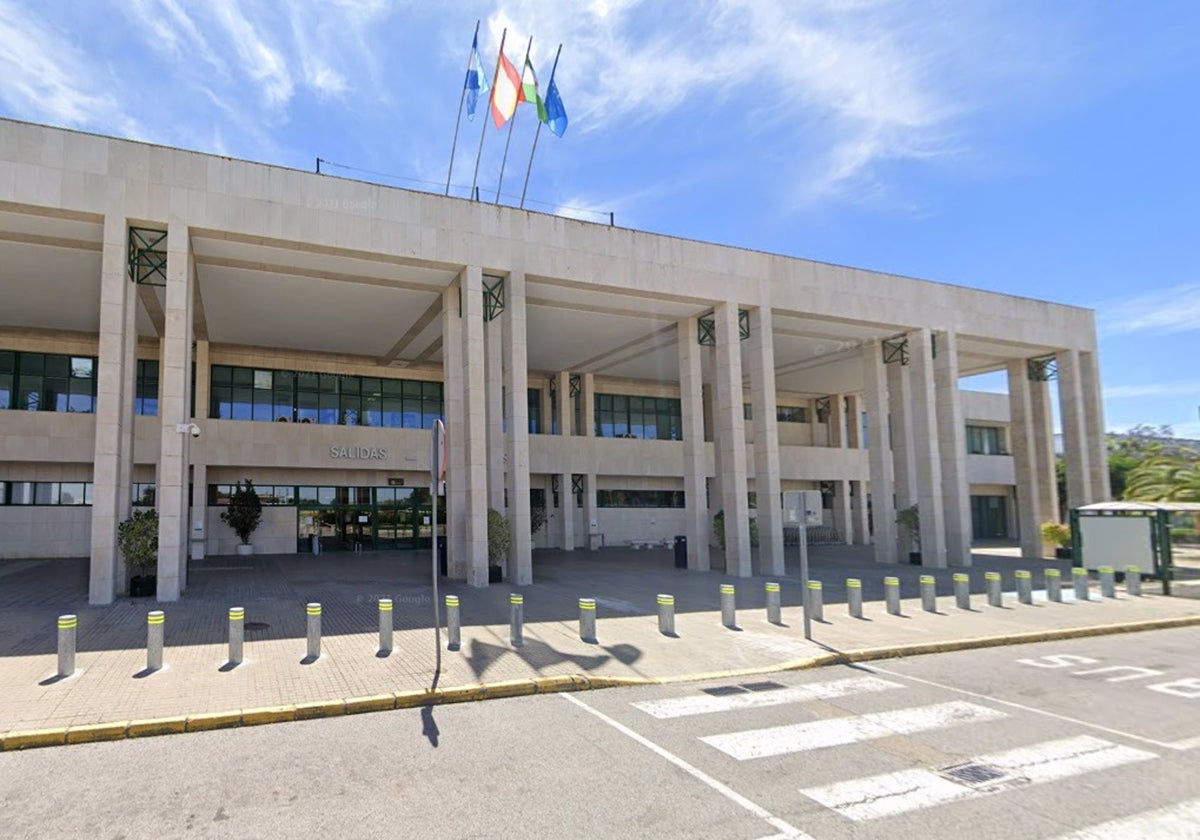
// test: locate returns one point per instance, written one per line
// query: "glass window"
(20, 493)
(70, 493)
(651, 418)
(144, 495)
(45, 493)
(640, 498)
(146, 401)
(985, 440)
(791, 414)
(535, 411)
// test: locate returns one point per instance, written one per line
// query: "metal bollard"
(928, 593)
(995, 596)
(891, 591)
(453, 624)
(1080, 577)
(1024, 586)
(1108, 582)
(854, 597)
(587, 619)
(1133, 580)
(66, 644)
(314, 631)
(385, 625)
(728, 610)
(1054, 585)
(516, 619)
(962, 590)
(237, 634)
(154, 640)
(816, 601)
(773, 608)
(666, 615)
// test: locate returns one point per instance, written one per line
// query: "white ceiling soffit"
(17, 224)
(51, 288)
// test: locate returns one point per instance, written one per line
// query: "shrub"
(909, 519)
(1056, 534)
(244, 512)
(137, 538)
(499, 534)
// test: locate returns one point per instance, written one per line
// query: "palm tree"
(1165, 478)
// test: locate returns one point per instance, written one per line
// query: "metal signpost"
(795, 514)
(437, 471)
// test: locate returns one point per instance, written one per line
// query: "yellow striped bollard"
(516, 619)
(891, 593)
(774, 608)
(587, 619)
(154, 640)
(313, 611)
(67, 625)
(1133, 580)
(237, 635)
(1024, 586)
(854, 597)
(666, 615)
(816, 601)
(928, 593)
(1054, 585)
(1108, 582)
(995, 596)
(453, 623)
(1079, 577)
(728, 609)
(962, 590)
(386, 625)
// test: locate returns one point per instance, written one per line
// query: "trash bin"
(680, 552)
(442, 567)
(316, 544)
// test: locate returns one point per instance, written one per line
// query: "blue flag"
(476, 82)
(556, 114)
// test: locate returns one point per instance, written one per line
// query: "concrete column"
(589, 509)
(456, 485)
(566, 511)
(883, 509)
(199, 512)
(927, 461)
(837, 421)
(1041, 422)
(474, 431)
(900, 414)
(112, 442)
(761, 349)
(1074, 429)
(691, 400)
(493, 369)
(1020, 427)
(731, 440)
(1097, 442)
(566, 406)
(842, 515)
(854, 421)
(175, 374)
(858, 513)
(952, 450)
(516, 385)
(547, 421)
(587, 382)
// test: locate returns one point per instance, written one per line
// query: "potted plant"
(1058, 535)
(910, 520)
(499, 534)
(137, 538)
(243, 515)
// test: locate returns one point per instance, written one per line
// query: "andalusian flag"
(506, 93)
(529, 90)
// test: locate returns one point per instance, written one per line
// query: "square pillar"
(1074, 429)
(1042, 423)
(566, 405)
(952, 449)
(1093, 414)
(900, 416)
(566, 510)
(858, 513)
(695, 473)
(587, 382)
(112, 446)
(474, 427)
(175, 376)
(516, 385)
(493, 367)
(452, 397)
(883, 509)
(590, 522)
(837, 421)
(1020, 427)
(854, 421)
(731, 440)
(761, 349)
(926, 452)
(842, 514)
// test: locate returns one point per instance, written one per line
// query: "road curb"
(414, 698)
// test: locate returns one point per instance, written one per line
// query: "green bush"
(137, 538)
(910, 520)
(1056, 534)
(244, 512)
(499, 535)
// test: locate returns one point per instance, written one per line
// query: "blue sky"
(1032, 147)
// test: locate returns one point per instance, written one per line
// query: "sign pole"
(804, 575)
(437, 468)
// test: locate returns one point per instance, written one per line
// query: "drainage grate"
(723, 690)
(766, 685)
(257, 625)
(982, 777)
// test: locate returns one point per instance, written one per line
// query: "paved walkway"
(111, 684)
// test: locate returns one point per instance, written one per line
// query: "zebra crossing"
(880, 796)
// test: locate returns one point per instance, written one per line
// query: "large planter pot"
(495, 574)
(914, 558)
(245, 549)
(1063, 552)
(143, 586)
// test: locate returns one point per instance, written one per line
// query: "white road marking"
(888, 794)
(1180, 821)
(786, 829)
(1186, 744)
(704, 704)
(798, 737)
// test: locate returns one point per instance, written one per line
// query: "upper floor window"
(146, 401)
(47, 382)
(45, 493)
(240, 393)
(650, 418)
(791, 414)
(985, 440)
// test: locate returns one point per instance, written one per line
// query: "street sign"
(437, 473)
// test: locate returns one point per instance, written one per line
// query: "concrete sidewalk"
(111, 686)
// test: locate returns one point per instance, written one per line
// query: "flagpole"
(538, 133)
(458, 119)
(483, 133)
(512, 120)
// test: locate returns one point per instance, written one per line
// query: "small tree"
(137, 538)
(1056, 534)
(910, 520)
(499, 534)
(537, 518)
(244, 512)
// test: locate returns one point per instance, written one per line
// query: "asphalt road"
(1037, 741)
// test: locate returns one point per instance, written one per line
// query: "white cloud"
(1171, 310)
(261, 60)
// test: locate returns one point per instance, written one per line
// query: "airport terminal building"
(174, 323)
